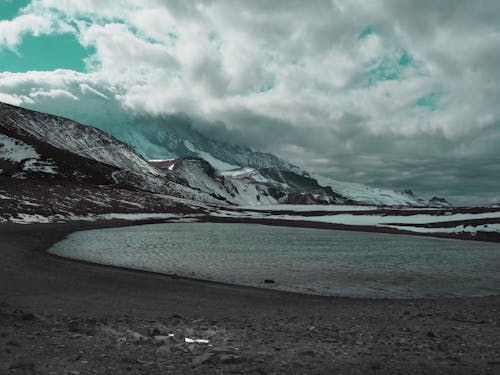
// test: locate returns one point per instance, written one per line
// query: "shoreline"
(274, 331)
(277, 289)
(481, 236)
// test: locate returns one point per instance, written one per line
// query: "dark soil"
(59, 316)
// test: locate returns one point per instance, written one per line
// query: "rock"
(222, 350)
(108, 331)
(74, 326)
(201, 359)
(230, 358)
(135, 337)
(308, 353)
(22, 364)
(376, 365)
(129, 360)
(158, 330)
(13, 343)
(194, 348)
(210, 332)
(160, 340)
(164, 349)
(28, 316)
(269, 281)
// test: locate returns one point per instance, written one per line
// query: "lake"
(315, 261)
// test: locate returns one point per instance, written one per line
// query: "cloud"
(384, 92)
(12, 32)
(52, 94)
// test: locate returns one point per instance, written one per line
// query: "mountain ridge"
(46, 159)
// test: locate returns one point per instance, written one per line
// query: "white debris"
(187, 340)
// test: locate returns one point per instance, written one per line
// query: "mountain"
(54, 166)
(248, 186)
(364, 194)
(174, 136)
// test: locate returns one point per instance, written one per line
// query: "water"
(327, 262)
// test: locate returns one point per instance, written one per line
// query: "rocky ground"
(59, 316)
(421, 339)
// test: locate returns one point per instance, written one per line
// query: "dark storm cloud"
(399, 94)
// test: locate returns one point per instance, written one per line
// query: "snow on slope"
(216, 163)
(74, 137)
(202, 175)
(365, 218)
(366, 194)
(15, 150)
(164, 137)
(18, 156)
(308, 207)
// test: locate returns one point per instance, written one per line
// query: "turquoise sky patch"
(429, 101)
(47, 52)
(10, 8)
(390, 68)
(365, 32)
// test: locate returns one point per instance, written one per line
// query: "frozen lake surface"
(327, 262)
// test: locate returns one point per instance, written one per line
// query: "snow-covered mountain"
(248, 186)
(52, 164)
(174, 136)
(55, 165)
(364, 194)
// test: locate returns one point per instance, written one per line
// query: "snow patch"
(308, 208)
(366, 194)
(15, 150)
(216, 163)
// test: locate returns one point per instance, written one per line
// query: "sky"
(395, 93)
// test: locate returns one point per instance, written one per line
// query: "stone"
(158, 330)
(308, 353)
(74, 326)
(22, 364)
(108, 331)
(164, 349)
(28, 316)
(135, 337)
(201, 359)
(160, 340)
(230, 358)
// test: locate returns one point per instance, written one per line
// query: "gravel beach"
(59, 316)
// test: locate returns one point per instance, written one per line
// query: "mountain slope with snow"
(71, 136)
(54, 166)
(174, 137)
(364, 194)
(247, 186)
(46, 149)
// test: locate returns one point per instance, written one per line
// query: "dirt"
(59, 316)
